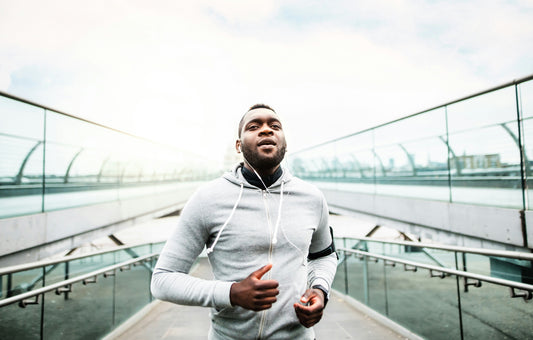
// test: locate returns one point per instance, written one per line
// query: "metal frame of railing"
(517, 289)
(40, 264)
(436, 271)
(53, 264)
(479, 251)
(66, 285)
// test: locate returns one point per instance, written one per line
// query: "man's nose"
(266, 130)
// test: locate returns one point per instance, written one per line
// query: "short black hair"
(253, 107)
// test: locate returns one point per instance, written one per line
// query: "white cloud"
(182, 71)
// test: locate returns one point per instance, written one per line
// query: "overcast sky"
(183, 72)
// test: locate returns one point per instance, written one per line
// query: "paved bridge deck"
(165, 320)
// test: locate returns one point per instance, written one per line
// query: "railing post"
(365, 280)
(42, 305)
(385, 288)
(44, 167)
(345, 268)
(67, 272)
(464, 269)
(458, 287)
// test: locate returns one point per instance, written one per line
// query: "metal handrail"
(411, 266)
(34, 265)
(488, 252)
(86, 278)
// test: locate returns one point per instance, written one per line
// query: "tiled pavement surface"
(170, 321)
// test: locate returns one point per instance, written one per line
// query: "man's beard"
(260, 163)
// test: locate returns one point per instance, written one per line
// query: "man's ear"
(238, 146)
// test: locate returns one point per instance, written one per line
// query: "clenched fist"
(254, 293)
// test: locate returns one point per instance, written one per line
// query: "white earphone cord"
(276, 228)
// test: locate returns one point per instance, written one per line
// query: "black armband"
(325, 252)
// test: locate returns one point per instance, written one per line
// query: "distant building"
(478, 161)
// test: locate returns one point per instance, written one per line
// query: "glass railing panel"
(92, 263)
(362, 180)
(56, 273)
(354, 164)
(125, 255)
(474, 263)
(32, 173)
(347, 164)
(434, 257)
(157, 247)
(484, 154)
(33, 278)
(358, 150)
(427, 307)
(132, 291)
(14, 150)
(377, 298)
(132, 252)
(21, 151)
(87, 165)
(412, 154)
(18, 283)
(58, 159)
(20, 323)
(355, 268)
(490, 313)
(511, 269)
(86, 314)
(394, 163)
(20, 119)
(69, 141)
(499, 267)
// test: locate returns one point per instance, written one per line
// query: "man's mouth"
(266, 142)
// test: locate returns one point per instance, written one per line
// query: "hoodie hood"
(235, 176)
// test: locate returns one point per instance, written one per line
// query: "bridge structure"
(453, 181)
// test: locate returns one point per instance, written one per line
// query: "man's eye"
(252, 127)
(276, 126)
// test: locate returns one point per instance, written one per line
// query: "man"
(267, 239)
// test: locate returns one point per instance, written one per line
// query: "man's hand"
(254, 293)
(312, 313)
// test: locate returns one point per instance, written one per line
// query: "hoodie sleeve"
(321, 270)
(171, 281)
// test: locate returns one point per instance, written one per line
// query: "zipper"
(264, 195)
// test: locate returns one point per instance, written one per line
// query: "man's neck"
(268, 180)
(262, 172)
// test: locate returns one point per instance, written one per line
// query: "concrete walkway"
(163, 320)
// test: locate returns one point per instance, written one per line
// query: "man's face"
(262, 139)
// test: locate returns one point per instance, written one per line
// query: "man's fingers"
(307, 315)
(310, 314)
(264, 284)
(258, 274)
(306, 296)
(267, 292)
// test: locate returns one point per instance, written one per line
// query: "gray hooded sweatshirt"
(245, 228)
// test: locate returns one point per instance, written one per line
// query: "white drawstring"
(275, 237)
(210, 249)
